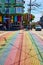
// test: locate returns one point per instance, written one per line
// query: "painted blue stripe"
(8, 49)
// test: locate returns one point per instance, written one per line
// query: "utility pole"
(30, 11)
(29, 14)
(30, 5)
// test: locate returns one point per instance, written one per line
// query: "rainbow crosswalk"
(21, 48)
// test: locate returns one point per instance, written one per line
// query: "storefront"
(6, 18)
(12, 19)
(0, 18)
(19, 19)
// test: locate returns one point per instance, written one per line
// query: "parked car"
(38, 28)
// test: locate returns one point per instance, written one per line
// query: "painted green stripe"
(36, 47)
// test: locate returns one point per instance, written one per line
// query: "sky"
(38, 12)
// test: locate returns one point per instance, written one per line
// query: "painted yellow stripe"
(29, 56)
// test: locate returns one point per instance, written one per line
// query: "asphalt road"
(21, 47)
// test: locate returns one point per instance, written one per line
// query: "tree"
(26, 18)
(32, 6)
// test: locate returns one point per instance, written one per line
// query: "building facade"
(10, 8)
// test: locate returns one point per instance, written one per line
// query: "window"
(12, 1)
(3, 1)
(18, 9)
(18, 1)
(0, 10)
(0, 1)
(9, 1)
(7, 10)
(11, 10)
(6, 1)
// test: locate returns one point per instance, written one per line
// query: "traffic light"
(31, 16)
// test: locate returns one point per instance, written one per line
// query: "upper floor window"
(0, 1)
(7, 1)
(12, 1)
(11, 10)
(19, 1)
(18, 9)
(0, 10)
(7, 10)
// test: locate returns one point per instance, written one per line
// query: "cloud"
(37, 17)
(37, 12)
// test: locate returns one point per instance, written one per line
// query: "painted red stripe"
(14, 53)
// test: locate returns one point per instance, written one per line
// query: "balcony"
(7, 4)
(18, 5)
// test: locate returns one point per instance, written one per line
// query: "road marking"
(29, 55)
(3, 33)
(13, 55)
(37, 49)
